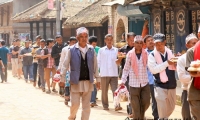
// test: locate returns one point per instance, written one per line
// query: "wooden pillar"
(61, 30)
(2, 16)
(31, 31)
(44, 30)
(51, 29)
(8, 15)
(38, 27)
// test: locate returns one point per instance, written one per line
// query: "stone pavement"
(21, 101)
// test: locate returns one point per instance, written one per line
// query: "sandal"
(55, 91)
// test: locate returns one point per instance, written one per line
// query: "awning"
(142, 2)
(133, 12)
(121, 2)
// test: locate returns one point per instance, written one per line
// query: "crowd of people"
(148, 73)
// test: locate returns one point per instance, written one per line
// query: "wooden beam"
(31, 30)
(44, 30)
(51, 28)
(38, 28)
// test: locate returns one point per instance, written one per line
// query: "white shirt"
(154, 67)
(183, 75)
(107, 62)
(63, 55)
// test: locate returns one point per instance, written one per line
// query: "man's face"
(18, 43)
(149, 42)
(42, 44)
(130, 40)
(51, 44)
(138, 45)
(72, 42)
(109, 41)
(83, 38)
(59, 40)
(160, 46)
(14, 43)
(26, 44)
(38, 40)
(191, 43)
(94, 44)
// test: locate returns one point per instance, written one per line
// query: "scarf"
(133, 57)
(197, 57)
(163, 75)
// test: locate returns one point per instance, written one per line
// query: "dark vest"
(171, 83)
(77, 68)
(84, 70)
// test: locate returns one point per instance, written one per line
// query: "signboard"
(50, 4)
(24, 36)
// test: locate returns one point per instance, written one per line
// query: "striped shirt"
(135, 81)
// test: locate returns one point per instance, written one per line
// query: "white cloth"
(107, 62)
(154, 67)
(183, 75)
(135, 81)
(62, 56)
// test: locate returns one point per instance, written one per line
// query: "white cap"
(138, 38)
(190, 37)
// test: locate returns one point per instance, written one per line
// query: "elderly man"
(194, 85)
(185, 77)
(136, 68)
(83, 67)
(163, 68)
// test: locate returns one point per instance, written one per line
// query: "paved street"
(21, 101)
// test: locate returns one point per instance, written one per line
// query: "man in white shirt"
(162, 67)
(72, 41)
(185, 77)
(106, 58)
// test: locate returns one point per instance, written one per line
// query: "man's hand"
(170, 62)
(195, 74)
(3, 69)
(98, 85)
(122, 84)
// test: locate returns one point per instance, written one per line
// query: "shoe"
(118, 108)
(105, 108)
(131, 116)
(66, 102)
(34, 84)
(2, 81)
(55, 91)
(48, 92)
(92, 104)
(43, 89)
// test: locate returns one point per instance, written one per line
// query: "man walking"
(163, 69)
(35, 61)
(193, 54)
(83, 67)
(27, 62)
(14, 59)
(148, 40)
(107, 57)
(124, 50)
(136, 68)
(93, 42)
(41, 62)
(185, 77)
(56, 50)
(50, 68)
(3, 54)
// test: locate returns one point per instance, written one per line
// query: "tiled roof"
(93, 15)
(40, 11)
(5, 1)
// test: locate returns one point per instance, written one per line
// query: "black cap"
(72, 38)
(92, 39)
(26, 41)
(159, 37)
(38, 36)
(50, 40)
(42, 40)
(58, 36)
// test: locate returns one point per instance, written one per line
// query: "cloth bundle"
(120, 93)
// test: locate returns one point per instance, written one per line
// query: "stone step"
(178, 92)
